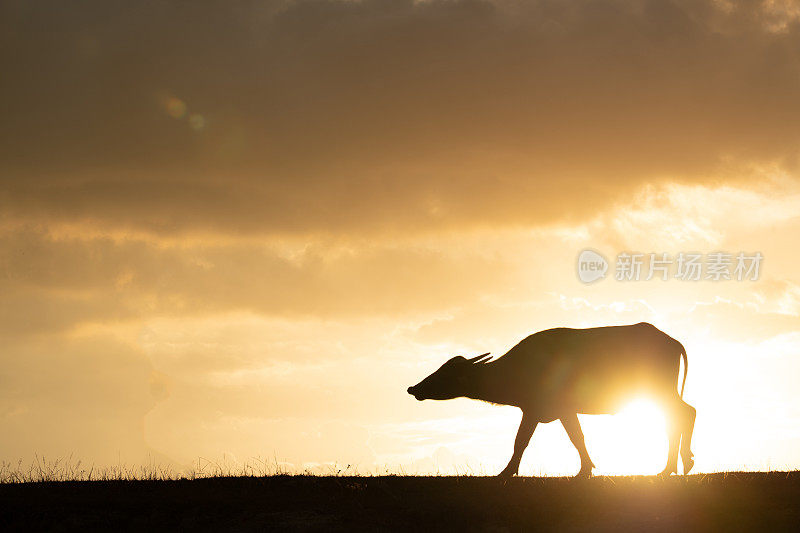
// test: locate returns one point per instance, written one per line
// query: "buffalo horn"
(479, 358)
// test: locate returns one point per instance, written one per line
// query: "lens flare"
(197, 121)
(175, 107)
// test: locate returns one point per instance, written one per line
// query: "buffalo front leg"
(573, 428)
(524, 433)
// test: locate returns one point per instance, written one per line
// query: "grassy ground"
(713, 502)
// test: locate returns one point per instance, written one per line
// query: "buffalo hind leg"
(573, 428)
(687, 428)
(524, 433)
(674, 416)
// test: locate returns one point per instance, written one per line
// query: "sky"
(238, 231)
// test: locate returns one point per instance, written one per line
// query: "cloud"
(53, 283)
(335, 116)
(223, 225)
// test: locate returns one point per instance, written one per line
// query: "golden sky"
(245, 228)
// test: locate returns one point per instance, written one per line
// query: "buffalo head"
(450, 381)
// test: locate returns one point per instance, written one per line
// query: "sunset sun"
(641, 433)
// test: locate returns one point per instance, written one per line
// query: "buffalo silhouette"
(561, 372)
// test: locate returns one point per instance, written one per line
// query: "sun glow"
(632, 442)
(643, 412)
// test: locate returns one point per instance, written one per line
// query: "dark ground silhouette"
(714, 502)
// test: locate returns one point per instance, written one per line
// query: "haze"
(244, 229)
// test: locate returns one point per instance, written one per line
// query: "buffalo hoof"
(668, 471)
(506, 474)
